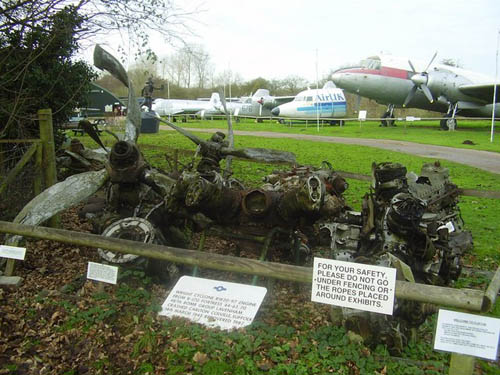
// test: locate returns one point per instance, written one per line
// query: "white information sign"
(12, 252)
(214, 303)
(102, 272)
(362, 115)
(354, 285)
(468, 334)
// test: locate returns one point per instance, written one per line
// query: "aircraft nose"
(275, 111)
(337, 78)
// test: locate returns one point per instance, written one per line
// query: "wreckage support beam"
(466, 299)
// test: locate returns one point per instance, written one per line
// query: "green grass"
(427, 132)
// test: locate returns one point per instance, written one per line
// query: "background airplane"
(399, 82)
(328, 102)
(171, 107)
(257, 105)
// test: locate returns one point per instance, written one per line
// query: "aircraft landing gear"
(450, 122)
(337, 122)
(389, 115)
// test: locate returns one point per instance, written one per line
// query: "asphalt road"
(486, 160)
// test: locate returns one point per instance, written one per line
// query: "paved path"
(486, 160)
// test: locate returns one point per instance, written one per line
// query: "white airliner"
(170, 107)
(397, 81)
(328, 102)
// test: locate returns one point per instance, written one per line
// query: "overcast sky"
(275, 39)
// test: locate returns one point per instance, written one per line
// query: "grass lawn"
(427, 132)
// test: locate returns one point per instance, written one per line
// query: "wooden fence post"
(461, 364)
(38, 181)
(49, 153)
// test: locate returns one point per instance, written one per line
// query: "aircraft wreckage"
(406, 219)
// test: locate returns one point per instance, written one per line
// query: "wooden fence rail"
(465, 299)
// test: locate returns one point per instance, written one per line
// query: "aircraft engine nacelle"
(445, 83)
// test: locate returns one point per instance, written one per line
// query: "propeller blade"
(106, 61)
(230, 134)
(410, 96)
(262, 154)
(183, 131)
(92, 132)
(260, 110)
(428, 65)
(427, 93)
(59, 197)
(412, 67)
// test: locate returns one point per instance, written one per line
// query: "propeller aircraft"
(257, 105)
(172, 107)
(327, 102)
(399, 82)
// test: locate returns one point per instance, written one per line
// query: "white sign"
(362, 116)
(12, 252)
(214, 303)
(410, 118)
(468, 334)
(102, 272)
(354, 285)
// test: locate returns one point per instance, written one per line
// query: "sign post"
(354, 285)
(11, 253)
(102, 272)
(214, 303)
(466, 336)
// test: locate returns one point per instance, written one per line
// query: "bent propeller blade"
(230, 133)
(105, 61)
(262, 154)
(60, 197)
(184, 132)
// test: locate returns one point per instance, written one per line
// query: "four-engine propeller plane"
(328, 102)
(399, 82)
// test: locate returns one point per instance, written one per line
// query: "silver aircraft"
(257, 105)
(166, 107)
(399, 82)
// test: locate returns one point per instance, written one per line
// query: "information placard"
(354, 285)
(214, 303)
(102, 272)
(468, 334)
(362, 115)
(12, 252)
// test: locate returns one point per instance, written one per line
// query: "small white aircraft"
(257, 105)
(399, 82)
(328, 102)
(171, 107)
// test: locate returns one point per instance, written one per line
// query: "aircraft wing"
(482, 91)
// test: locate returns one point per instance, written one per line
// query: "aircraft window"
(309, 98)
(370, 64)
